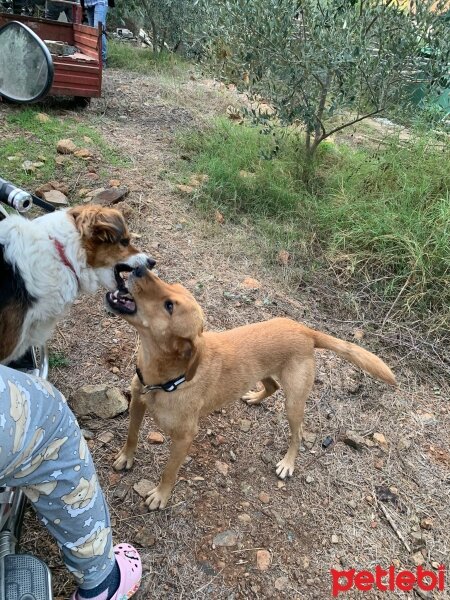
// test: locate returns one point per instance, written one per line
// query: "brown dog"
(214, 369)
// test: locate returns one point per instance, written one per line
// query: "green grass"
(142, 60)
(25, 138)
(58, 360)
(380, 218)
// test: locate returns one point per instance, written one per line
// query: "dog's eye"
(125, 242)
(168, 305)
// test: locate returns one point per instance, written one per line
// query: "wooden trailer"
(80, 74)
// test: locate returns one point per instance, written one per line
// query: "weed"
(144, 60)
(58, 360)
(381, 218)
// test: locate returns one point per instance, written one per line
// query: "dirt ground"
(332, 513)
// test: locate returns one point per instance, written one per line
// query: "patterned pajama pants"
(43, 452)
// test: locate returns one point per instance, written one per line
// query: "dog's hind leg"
(270, 387)
(297, 381)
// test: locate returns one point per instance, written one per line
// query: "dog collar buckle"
(168, 386)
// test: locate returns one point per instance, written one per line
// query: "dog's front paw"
(123, 461)
(158, 498)
(285, 467)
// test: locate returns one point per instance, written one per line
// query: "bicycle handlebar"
(20, 200)
(15, 197)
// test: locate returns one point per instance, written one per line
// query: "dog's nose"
(150, 263)
(140, 271)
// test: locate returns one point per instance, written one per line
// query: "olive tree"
(167, 21)
(328, 64)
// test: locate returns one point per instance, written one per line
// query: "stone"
(244, 517)
(426, 523)
(263, 560)
(55, 198)
(143, 487)
(91, 193)
(426, 418)
(45, 187)
(309, 479)
(121, 490)
(66, 146)
(28, 166)
(82, 153)
(100, 400)
(226, 538)
(304, 563)
(334, 539)
(404, 444)
(251, 284)
(418, 558)
(115, 370)
(154, 437)
(378, 464)
(281, 583)
(380, 439)
(245, 425)
(61, 187)
(264, 497)
(233, 456)
(105, 437)
(356, 441)
(222, 468)
(110, 196)
(309, 438)
(145, 538)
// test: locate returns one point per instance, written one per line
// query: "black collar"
(169, 386)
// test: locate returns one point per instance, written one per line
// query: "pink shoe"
(130, 568)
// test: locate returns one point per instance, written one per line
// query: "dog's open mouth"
(121, 300)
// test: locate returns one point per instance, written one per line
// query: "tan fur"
(220, 367)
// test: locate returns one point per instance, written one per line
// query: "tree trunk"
(154, 36)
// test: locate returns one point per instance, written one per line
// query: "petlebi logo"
(384, 580)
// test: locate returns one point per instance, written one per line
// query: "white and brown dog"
(47, 262)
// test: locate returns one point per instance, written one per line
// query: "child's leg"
(44, 453)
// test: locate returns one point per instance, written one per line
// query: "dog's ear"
(188, 351)
(105, 225)
(109, 227)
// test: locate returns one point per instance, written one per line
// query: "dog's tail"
(358, 356)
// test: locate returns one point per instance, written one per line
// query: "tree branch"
(366, 116)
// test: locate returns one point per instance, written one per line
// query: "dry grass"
(297, 524)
